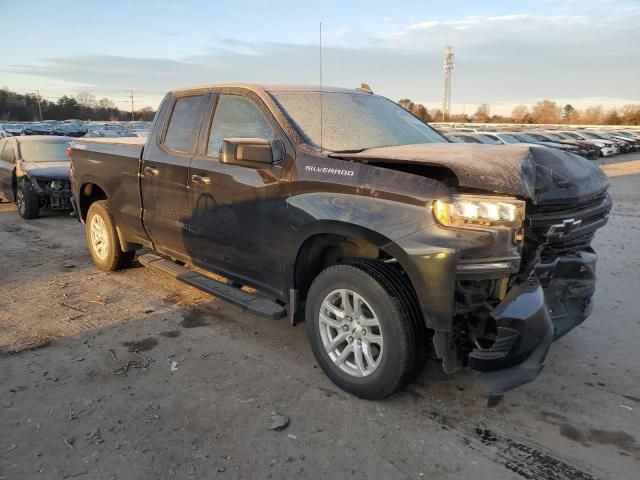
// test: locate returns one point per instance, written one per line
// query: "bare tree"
(593, 115)
(520, 113)
(482, 114)
(546, 111)
(87, 102)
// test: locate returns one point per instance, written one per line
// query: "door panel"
(238, 214)
(238, 220)
(164, 176)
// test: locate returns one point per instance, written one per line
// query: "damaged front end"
(509, 332)
(53, 193)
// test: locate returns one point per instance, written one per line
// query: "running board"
(251, 303)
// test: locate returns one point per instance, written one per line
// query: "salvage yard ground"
(198, 399)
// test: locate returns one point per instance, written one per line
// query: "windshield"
(370, 121)
(591, 135)
(508, 138)
(44, 151)
(551, 136)
(487, 140)
(527, 138)
(573, 135)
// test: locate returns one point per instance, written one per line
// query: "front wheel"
(360, 331)
(102, 239)
(27, 201)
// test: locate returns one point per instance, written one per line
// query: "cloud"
(499, 59)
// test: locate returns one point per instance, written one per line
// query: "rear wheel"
(102, 239)
(27, 201)
(361, 331)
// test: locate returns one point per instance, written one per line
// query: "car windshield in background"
(370, 120)
(44, 151)
(526, 137)
(510, 138)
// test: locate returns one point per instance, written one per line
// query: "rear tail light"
(68, 152)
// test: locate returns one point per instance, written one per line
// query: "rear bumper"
(556, 299)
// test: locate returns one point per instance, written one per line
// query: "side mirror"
(250, 152)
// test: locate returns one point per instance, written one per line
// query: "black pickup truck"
(340, 208)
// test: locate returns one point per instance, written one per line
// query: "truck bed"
(124, 146)
(109, 167)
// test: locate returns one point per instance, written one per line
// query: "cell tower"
(448, 66)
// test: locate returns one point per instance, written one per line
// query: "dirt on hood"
(538, 173)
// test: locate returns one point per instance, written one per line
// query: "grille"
(564, 229)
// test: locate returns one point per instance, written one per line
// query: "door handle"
(151, 171)
(200, 179)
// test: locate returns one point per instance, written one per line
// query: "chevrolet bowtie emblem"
(563, 229)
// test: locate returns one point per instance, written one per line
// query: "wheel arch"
(88, 193)
(329, 243)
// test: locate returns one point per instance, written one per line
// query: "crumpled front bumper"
(556, 299)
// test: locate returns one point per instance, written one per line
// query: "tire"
(102, 239)
(27, 201)
(400, 287)
(334, 338)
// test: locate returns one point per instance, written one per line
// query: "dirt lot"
(209, 377)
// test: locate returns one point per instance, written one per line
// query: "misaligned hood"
(53, 170)
(537, 173)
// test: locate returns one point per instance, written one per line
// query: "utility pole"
(448, 67)
(39, 105)
(131, 97)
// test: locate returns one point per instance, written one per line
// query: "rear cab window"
(184, 123)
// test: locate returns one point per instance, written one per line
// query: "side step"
(251, 303)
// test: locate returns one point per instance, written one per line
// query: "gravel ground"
(200, 397)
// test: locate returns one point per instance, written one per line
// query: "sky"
(507, 52)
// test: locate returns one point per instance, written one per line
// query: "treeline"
(24, 107)
(544, 111)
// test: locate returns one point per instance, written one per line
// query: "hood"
(53, 170)
(537, 173)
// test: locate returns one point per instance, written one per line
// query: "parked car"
(583, 149)
(71, 128)
(592, 152)
(14, 129)
(607, 147)
(628, 144)
(634, 134)
(387, 240)
(34, 173)
(39, 128)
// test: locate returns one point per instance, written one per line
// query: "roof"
(258, 88)
(43, 138)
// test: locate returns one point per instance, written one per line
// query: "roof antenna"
(321, 122)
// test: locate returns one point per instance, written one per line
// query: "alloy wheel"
(351, 332)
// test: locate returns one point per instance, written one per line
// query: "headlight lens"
(469, 211)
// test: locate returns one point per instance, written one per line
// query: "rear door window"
(184, 124)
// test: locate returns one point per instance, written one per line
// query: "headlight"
(469, 211)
